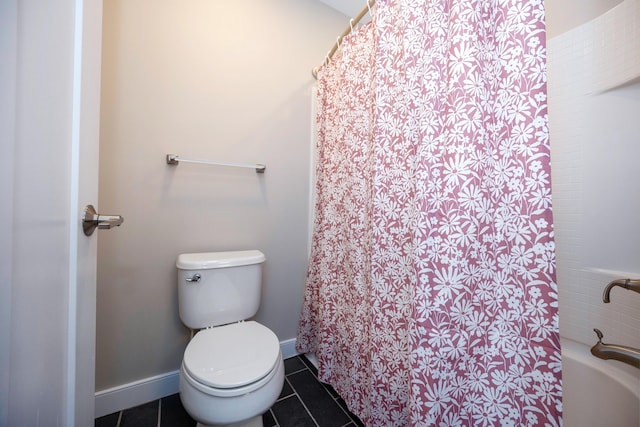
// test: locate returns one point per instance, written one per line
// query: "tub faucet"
(632, 285)
(628, 355)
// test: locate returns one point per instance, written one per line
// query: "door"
(49, 126)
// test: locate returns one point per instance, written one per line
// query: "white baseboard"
(136, 393)
(288, 348)
(148, 389)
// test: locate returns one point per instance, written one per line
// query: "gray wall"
(226, 81)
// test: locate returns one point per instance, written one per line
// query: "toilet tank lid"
(208, 260)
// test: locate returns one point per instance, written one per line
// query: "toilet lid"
(232, 355)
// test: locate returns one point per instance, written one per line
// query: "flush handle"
(92, 220)
(196, 278)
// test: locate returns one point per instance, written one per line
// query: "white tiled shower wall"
(594, 115)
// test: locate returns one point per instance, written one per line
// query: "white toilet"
(232, 371)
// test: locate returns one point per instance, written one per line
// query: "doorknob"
(91, 219)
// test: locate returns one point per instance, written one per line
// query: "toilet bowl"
(232, 370)
(231, 373)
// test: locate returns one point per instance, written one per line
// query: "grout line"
(299, 370)
(274, 418)
(324, 386)
(297, 396)
(308, 363)
(159, 411)
(306, 409)
(347, 413)
(288, 395)
(304, 366)
(119, 419)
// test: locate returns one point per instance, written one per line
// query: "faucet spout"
(621, 353)
(632, 285)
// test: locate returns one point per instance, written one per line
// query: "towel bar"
(174, 159)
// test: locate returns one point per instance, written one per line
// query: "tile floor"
(304, 402)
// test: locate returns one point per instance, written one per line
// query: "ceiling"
(347, 7)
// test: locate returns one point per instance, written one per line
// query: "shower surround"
(594, 105)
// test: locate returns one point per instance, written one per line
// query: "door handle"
(92, 220)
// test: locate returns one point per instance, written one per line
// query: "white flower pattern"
(431, 296)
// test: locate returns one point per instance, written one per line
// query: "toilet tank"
(227, 291)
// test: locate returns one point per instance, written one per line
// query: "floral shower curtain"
(431, 296)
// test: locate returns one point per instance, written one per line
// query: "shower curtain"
(430, 297)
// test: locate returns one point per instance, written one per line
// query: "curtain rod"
(354, 21)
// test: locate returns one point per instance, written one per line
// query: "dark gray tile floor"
(303, 402)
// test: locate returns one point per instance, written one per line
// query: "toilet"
(232, 370)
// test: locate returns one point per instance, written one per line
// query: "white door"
(49, 126)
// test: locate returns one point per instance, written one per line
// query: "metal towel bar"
(174, 159)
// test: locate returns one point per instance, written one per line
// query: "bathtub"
(598, 393)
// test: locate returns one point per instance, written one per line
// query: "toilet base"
(218, 411)
(252, 422)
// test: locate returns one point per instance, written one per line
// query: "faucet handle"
(617, 352)
(599, 334)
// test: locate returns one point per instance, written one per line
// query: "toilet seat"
(231, 357)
